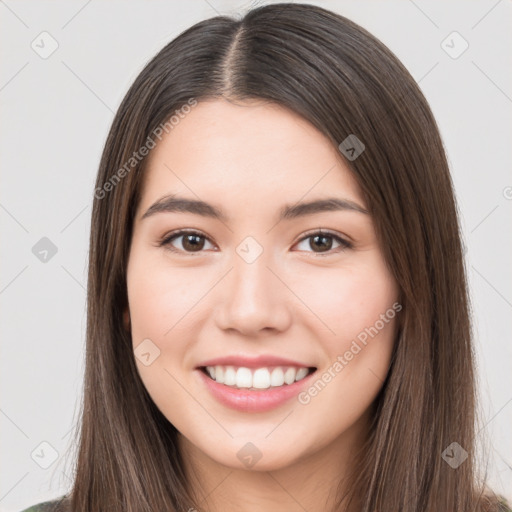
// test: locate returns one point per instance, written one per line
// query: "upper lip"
(260, 361)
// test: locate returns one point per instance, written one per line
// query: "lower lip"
(253, 401)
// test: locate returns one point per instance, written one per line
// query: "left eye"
(323, 240)
(194, 242)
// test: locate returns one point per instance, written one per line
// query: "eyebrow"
(176, 204)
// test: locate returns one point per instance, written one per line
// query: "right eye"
(191, 241)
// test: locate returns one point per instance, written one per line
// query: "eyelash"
(166, 241)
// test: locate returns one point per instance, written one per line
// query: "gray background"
(56, 112)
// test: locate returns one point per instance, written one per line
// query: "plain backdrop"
(55, 114)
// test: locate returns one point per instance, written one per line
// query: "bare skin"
(295, 300)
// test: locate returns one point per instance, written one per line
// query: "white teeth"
(301, 373)
(289, 375)
(243, 378)
(260, 378)
(230, 376)
(277, 377)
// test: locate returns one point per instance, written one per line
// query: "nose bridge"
(253, 298)
(253, 272)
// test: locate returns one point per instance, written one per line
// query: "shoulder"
(494, 503)
(61, 504)
(504, 506)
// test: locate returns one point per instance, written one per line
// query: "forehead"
(246, 151)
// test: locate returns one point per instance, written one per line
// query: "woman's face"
(254, 282)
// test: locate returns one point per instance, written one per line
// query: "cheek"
(161, 305)
(166, 306)
(360, 308)
(350, 300)
(154, 302)
(159, 297)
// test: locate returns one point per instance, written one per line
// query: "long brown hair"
(345, 82)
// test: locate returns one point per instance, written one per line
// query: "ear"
(126, 319)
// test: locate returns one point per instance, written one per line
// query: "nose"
(253, 299)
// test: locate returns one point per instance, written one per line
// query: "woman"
(278, 313)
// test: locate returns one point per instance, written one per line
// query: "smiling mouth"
(256, 379)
